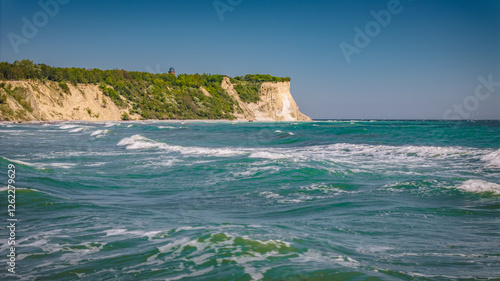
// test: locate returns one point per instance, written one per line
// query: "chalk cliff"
(276, 103)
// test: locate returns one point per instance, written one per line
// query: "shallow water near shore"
(324, 200)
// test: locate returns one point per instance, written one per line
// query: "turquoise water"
(325, 200)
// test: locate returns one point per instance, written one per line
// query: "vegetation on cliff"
(152, 96)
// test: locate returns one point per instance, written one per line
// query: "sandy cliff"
(47, 101)
(276, 103)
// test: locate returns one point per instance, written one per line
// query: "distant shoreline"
(150, 121)
(227, 121)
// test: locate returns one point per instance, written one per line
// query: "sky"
(347, 59)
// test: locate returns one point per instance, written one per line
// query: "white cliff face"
(276, 103)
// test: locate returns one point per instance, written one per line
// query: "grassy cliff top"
(26, 69)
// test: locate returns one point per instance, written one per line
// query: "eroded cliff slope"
(275, 104)
(30, 100)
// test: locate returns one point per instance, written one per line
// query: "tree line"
(153, 96)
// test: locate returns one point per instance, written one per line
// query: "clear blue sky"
(421, 64)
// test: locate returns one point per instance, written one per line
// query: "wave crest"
(479, 186)
(492, 159)
(141, 142)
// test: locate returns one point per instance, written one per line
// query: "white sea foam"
(206, 250)
(252, 171)
(76, 254)
(281, 132)
(290, 201)
(323, 188)
(256, 273)
(64, 127)
(19, 162)
(115, 231)
(269, 194)
(4, 188)
(492, 159)
(137, 233)
(320, 257)
(479, 186)
(100, 133)
(110, 124)
(76, 130)
(96, 164)
(166, 127)
(140, 142)
(174, 245)
(184, 228)
(96, 132)
(268, 155)
(62, 165)
(408, 150)
(374, 249)
(171, 127)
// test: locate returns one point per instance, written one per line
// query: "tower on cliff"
(171, 71)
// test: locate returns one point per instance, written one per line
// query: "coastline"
(150, 121)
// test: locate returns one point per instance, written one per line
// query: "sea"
(321, 200)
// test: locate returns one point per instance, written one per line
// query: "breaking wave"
(479, 186)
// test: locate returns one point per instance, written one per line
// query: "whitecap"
(61, 165)
(76, 130)
(64, 127)
(4, 188)
(166, 127)
(19, 162)
(136, 233)
(96, 164)
(268, 155)
(110, 124)
(492, 159)
(115, 231)
(422, 151)
(479, 186)
(269, 194)
(99, 133)
(319, 257)
(289, 201)
(141, 142)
